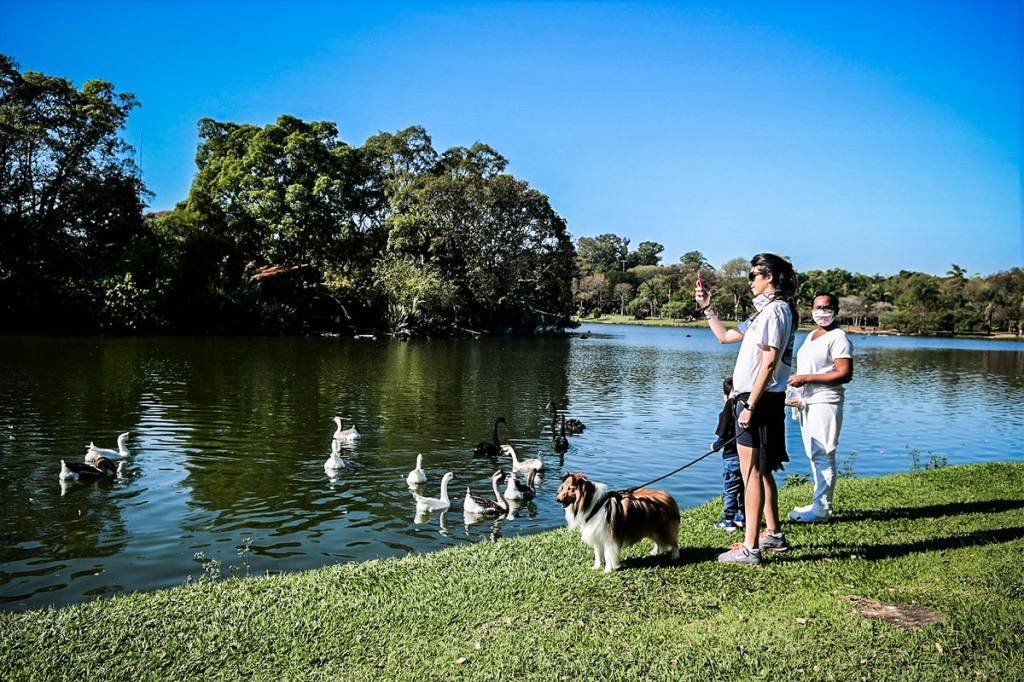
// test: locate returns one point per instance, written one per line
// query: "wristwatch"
(750, 406)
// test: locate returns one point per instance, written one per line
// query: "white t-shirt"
(818, 356)
(773, 326)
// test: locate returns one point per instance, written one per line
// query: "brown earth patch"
(908, 616)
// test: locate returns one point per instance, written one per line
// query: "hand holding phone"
(699, 293)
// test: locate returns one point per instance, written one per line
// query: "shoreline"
(944, 542)
(861, 331)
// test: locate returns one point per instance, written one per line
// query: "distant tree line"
(612, 279)
(285, 228)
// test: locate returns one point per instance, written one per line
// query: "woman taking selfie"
(759, 386)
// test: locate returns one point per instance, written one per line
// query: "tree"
(624, 292)
(653, 292)
(603, 253)
(733, 285)
(694, 260)
(593, 290)
(500, 241)
(814, 282)
(417, 296)
(282, 193)
(735, 267)
(70, 197)
(853, 308)
(647, 253)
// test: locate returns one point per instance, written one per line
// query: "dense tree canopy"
(288, 228)
(70, 198)
(285, 227)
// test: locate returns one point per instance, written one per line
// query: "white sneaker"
(806, 517)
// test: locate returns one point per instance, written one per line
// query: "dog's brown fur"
(632, 516)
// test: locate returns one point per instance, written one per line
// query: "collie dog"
(610, 521)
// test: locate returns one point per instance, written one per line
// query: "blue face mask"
(760, 301)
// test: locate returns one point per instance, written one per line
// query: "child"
(732, 487)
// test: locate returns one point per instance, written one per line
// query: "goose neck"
(497, 495)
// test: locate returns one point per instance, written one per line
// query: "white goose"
(93, 454)
(335, 462)
(417, 476)
(523, 464)
(514, 490)
(482, 506)
(434, 504)
(346, 435)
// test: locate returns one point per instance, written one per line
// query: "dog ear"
(564, 476)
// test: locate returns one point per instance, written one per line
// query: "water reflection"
(230, 438)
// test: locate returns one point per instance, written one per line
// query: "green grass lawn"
(950, 540)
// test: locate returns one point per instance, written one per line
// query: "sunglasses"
(751, 276)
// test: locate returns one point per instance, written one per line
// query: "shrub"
(676, 310)
(638, 308)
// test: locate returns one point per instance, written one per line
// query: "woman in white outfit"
(823, 364)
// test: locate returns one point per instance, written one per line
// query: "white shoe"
(806, 517)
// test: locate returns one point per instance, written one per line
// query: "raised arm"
(723, 335)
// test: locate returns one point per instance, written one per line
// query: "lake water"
(229, 436)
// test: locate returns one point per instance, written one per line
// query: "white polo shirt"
(772, 327)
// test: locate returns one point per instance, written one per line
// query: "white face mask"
(823, 318)
(760, 301)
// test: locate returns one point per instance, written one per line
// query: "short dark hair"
(727, 386)
(833, 300)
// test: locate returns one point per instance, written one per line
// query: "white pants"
(820, 424)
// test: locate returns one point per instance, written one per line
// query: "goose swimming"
(492, 449)
(516, 490)
(335, 462)
(417, 476)
(574, 426)
(346, 435)
(480, 506)
(522, 464)
(434, 504)
(560, 443)
(93, 454)
(571, 425)
(80, 471)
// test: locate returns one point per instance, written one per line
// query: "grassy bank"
(951, 540)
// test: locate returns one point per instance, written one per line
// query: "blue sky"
(870, 136)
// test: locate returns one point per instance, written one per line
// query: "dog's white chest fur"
(596, 532)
